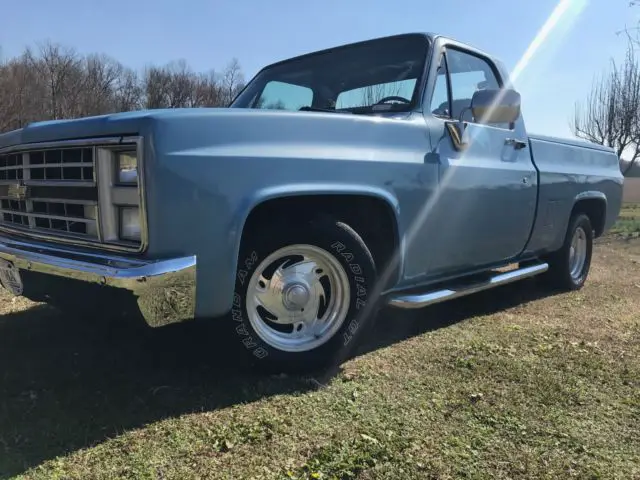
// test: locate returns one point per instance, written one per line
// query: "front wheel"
(303, 295)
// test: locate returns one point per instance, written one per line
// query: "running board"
(424, 299)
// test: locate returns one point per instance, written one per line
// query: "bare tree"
(610, 115)
(156, 87)
(21, 94)
(277, 105)
(232, 81)
(207, 91)
(61, 71)
(128, 92)
(99, 85)
(181, 85)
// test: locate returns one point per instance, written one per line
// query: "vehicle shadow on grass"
(397, 325)
(70, 382)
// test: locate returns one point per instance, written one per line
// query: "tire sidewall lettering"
(237, 311)
(360, 289)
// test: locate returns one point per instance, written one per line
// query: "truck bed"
(569, 170)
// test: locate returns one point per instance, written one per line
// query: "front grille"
(53, 192)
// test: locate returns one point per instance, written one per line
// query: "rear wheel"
(302, 295)
(569, 266)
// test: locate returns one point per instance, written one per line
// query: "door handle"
(515, 143)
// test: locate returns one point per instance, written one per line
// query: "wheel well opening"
(596, 210)
(372, 218)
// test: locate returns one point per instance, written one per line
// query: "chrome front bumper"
(165, 289)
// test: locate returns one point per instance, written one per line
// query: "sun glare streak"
(565, 11)
(564, 8)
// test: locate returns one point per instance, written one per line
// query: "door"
(487, 191)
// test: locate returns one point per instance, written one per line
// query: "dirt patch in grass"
(511, 383)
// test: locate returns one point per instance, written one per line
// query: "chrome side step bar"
(421, 300)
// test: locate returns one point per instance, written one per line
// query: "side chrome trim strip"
(437, 296)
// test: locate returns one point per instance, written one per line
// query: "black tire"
(342, 244)
(560, 274)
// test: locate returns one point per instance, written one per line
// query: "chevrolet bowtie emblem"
(18, 191)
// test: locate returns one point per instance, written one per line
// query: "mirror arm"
(460, 123)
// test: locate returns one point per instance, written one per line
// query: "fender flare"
(261, 196)
(590, 195)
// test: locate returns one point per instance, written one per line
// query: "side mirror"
(487, 106)
(496, 106)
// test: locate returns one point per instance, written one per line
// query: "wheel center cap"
(295, 296)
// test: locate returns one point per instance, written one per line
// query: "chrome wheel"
(578, 253)
(298, 298)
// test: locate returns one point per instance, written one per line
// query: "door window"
(440, 98)
(467, 73)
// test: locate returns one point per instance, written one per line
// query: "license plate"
(10, 278)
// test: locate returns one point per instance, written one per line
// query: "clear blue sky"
(207, 33)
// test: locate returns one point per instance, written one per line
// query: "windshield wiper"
(317, 109)
(379, 108)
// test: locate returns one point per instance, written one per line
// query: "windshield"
(380, 75)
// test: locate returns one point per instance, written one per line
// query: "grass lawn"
(510, 383)
(628, 223)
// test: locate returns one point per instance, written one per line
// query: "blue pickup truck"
(395, 171)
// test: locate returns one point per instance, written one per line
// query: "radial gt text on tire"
(569, 266)
(303, 295)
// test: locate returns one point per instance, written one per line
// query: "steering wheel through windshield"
(392, 98)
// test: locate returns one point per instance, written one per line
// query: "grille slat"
(62, 193)
(47, 215)
(58, 216)
(72, 164)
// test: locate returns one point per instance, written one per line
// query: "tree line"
(53, 82)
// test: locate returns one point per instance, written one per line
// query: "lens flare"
(565, 12)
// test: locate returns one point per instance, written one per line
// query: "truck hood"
(87, 127)
(140, 122)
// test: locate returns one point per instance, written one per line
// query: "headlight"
(130, 223)
(127, 168)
